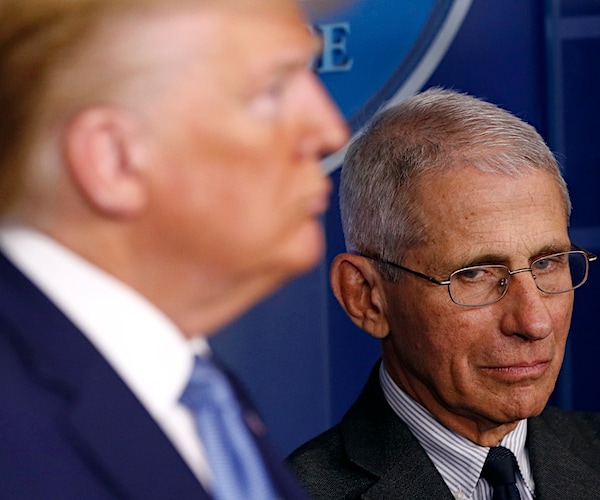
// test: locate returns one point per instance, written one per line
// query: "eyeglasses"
(482, 285)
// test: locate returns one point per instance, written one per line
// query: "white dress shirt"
(458, 460)
(142, 345)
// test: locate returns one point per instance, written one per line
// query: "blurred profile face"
(238, 137)
(476, 367)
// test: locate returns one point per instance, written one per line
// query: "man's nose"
(527, 312)
(327, 128)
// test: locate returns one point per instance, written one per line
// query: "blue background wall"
(301, 358)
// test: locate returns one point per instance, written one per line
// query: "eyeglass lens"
(481, 285)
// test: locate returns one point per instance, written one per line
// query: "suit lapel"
(412, 476)
(378, 441)
(111, 431)
(557, 469)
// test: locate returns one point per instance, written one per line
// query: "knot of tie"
(207, 389)
(500, 470)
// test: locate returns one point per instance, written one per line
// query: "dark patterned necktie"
(236, 463)
(500, 470)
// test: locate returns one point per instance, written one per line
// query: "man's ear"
(104, 152)
(358, 288)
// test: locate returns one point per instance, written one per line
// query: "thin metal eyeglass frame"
(575, 249)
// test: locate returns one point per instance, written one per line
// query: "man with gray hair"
(455, 216)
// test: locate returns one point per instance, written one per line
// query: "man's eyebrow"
(489, 258)
(496, 258)
(305, 58)
(444, 269)
(554, 248)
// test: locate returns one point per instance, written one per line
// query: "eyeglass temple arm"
(406, 269)
(590, 256)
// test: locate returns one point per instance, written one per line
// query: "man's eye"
(481, 274)
(552, 263)
(268, 101)
(472, 274)
(543, 264)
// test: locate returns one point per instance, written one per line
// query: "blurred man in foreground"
(159, 174)
(455, 217)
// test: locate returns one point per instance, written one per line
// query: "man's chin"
(520, 410)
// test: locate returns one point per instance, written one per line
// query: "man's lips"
(520, 369)
(318, 202)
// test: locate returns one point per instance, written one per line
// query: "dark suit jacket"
(372, 454)
(69, 426)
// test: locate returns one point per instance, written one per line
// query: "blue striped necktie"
(236, 464)
(500, 470)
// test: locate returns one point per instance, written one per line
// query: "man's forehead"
(274, 37)
(209, 27)
(492, 212)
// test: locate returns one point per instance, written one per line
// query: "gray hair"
(427, 133)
